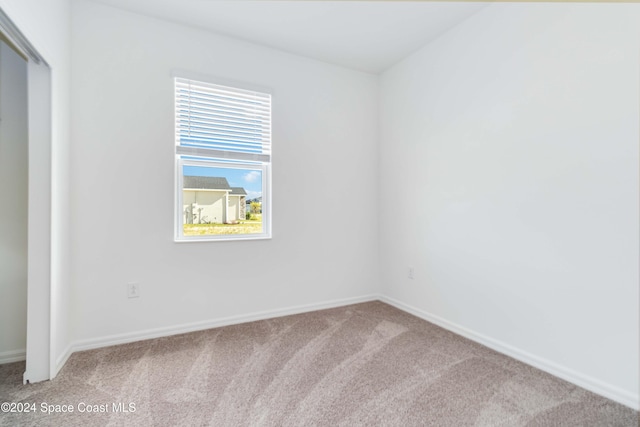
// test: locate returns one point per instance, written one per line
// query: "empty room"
(291, 213)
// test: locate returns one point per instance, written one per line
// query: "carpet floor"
(361, 365)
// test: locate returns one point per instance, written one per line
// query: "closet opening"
(25, 204)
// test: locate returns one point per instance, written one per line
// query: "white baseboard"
(607, 390)
(61, 360)
(614, 393)
(13, 356)
(110, 340)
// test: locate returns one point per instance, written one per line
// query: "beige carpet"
(362, 365)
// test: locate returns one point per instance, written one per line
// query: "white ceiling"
(369, 36)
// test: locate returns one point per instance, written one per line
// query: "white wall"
(46, 23)
(324, 120)
(210, 206)
(13, 205)
(235, 208)
(514, 137)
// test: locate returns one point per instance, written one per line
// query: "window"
(223, 162)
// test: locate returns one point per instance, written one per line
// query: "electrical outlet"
(410, 272)
(133, 290)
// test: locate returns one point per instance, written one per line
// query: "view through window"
(223, 154)
(221, 200)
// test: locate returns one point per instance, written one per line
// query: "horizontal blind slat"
(184, 120)
(210, 87)
(218, 119)
(203, 140)
(188, 101)
(221, 154)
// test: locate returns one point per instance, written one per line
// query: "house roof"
(238, 191)
(206, 182)
(211, 183)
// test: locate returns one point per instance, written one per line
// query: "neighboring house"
(209, 199)
(237, 203)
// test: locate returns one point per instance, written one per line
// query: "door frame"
(40, 363)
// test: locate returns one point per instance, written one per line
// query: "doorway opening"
(27, 204)
(14, 206)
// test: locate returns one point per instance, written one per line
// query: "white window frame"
(216, 159)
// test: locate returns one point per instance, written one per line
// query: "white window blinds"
(222, 122)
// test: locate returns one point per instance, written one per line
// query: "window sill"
(221, 239)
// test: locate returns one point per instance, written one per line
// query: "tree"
(256, 207)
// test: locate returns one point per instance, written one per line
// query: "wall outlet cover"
(133, 290)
